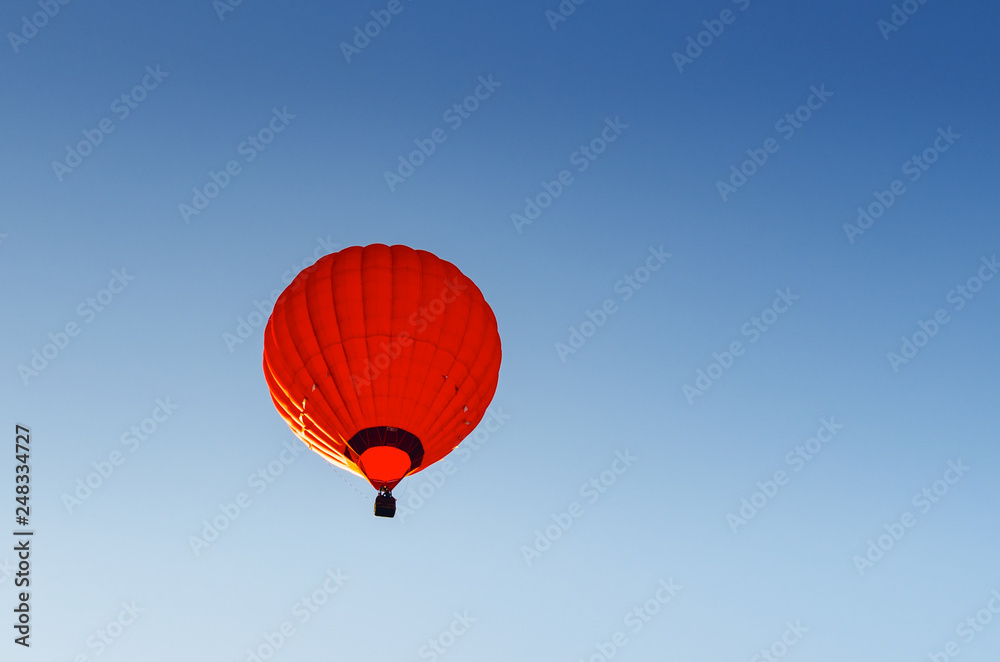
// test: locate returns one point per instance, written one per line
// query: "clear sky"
(669, 190)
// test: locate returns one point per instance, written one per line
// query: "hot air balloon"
(382, 359)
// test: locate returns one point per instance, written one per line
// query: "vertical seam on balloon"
(339, 311)
(479, 388)
(319, 347)
(411, 406)
(426, 422)
(465, 332)
(388, 372)
(438, 351)
(398, 371)
(287, 353)
(351, 426)
(364, 317)
(309, 314)
(269, 376)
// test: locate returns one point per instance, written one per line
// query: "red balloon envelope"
(382, 359)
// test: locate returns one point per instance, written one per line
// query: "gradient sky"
(321, 185)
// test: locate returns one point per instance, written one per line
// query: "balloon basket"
(385, 504)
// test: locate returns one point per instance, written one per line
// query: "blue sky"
(815, 307)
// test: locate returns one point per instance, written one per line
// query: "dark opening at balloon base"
(385, 504)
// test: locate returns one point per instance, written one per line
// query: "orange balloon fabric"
(382, 359)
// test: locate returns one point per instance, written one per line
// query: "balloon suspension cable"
(360, 493)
